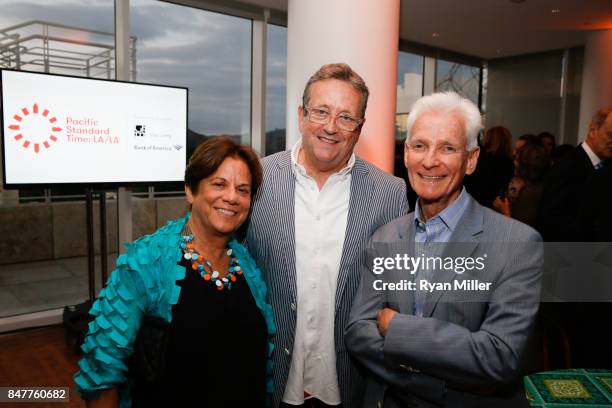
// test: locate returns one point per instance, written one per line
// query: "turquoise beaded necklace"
(204, 267)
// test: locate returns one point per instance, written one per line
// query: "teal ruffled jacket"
(144, 283)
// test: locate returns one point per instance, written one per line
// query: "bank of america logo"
(36, 128)
(139, 130)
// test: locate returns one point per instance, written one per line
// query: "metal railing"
(48, 197)
(57, 48)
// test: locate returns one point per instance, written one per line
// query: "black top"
(490, 179)
(564, 190)
(217, 351)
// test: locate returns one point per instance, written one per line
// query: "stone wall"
(35, 232)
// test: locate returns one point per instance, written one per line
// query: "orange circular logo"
(36, 128)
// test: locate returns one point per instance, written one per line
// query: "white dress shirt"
(592, 156)
(320, 226)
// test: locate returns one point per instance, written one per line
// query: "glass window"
(409, 88)
(207, 52)
(463, 79)
(43, 36)
(42, 244)
(276, 88)
(73, 39)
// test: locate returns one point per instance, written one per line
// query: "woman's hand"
(384, 318)
(107, 399)
(503, 206)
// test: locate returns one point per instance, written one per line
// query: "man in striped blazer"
(317, 207)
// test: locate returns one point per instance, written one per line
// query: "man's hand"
(503, 206)
(384, 318)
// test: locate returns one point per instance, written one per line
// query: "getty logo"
(35, 128)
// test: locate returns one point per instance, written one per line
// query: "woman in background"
(532, 164)
(195, 276)
(495, 166)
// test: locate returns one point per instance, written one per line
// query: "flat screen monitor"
(67, 130)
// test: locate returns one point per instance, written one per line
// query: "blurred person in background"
(533, 163)
(559, 152)
(575, 207)
(527, 138)
(565, 186)
(495, 167)
(548, 141)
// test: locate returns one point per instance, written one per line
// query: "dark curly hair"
(209, 155)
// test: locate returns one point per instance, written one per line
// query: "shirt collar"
(594, 158)
(450, 216)
(295, 151)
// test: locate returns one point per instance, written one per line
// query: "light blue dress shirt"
(437, 229)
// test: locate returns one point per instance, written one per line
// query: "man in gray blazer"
(459, 339)
(318, 206)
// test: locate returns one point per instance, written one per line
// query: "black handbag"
(148, 362)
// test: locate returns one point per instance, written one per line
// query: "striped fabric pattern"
(376, 198)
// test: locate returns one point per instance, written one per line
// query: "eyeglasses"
(445, 149)
(322, 116)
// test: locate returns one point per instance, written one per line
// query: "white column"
(122, 73)
(361, 33)
(596, 79)
(258, 83)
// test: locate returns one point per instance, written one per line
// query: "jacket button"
(287, 352)
(292, 306)
(379, 404)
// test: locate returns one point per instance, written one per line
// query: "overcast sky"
(407, 62)
(207, 52)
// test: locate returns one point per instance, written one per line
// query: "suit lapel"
(356, 224)
(285, 211)
(407, 239)
(466, 234)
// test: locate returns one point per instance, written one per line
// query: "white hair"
(449, 102)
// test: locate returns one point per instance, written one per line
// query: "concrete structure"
(408, 92)
(48, 231)
(363, 34)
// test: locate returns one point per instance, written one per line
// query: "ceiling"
(495, 28)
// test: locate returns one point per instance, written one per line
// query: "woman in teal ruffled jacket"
(212, 348)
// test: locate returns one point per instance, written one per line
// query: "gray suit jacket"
(462, 352)
(375, 199)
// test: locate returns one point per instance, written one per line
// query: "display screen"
(68, 130)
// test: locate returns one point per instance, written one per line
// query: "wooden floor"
(40, 358)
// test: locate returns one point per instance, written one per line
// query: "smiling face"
(326, 148)
(222, 202)
(437, 160)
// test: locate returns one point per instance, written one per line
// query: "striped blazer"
(376, 198)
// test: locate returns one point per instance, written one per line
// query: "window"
(409, 88)
(210, 53)
(276, 89)
(463, 79)
(43, 36)
(42, 245)
(76, 39)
